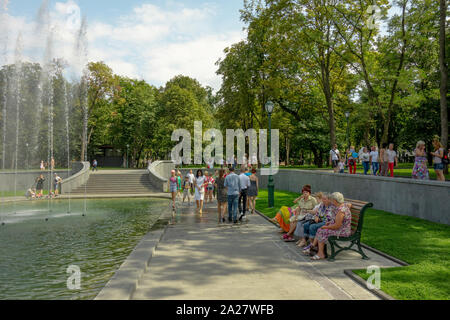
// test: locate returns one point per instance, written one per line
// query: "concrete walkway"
(198, 259)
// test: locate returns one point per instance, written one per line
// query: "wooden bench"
(358, 209)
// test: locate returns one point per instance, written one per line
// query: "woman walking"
(209, 188)
(179, 182)
(420, 170)
(173, 187)
(222, 196)
(384, 161)
(438, 154)
(253, 191)
(200, 185)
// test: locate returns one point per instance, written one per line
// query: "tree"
(101, 84)
(444, 73)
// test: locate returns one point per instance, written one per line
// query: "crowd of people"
(237, 193)
(381, 162)
(312, 219)
(37, 191)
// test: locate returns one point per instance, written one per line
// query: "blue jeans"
(233, 207)
(366, 166)
(375, 168)
(310, 230)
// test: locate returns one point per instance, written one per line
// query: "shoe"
(235, 222)
(223, 220)
(229, 220)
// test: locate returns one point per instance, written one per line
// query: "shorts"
(173, 188)
(438, 166)
(210, 188)
(186, 193)
(335, 163)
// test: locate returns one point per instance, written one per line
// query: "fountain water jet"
(17, 87)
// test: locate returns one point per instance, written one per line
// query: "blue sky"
(154, 39)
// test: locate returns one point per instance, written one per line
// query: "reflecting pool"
(40, 240)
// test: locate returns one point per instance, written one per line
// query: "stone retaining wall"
(25, 180)
(159, 174)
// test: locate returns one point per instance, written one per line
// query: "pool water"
(37, 245)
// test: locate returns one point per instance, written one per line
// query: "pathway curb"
(379, 293)
(124, 282)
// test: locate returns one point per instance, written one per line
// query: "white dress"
(199, 196)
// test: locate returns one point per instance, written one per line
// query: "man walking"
(233, 183)
(191, 178)
(335, 158)
(245, 184)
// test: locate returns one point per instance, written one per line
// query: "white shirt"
(341, 165)
(245, 181)
(200, 181)
(365, 157)
(334, 154)
(374, 155)
(191, 177)
(391, 156)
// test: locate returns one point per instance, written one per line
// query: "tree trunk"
(287, 151)
(444, 75)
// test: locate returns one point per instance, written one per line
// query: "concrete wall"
(26, 180)
(159, 174)
(428, 200)
(77, 179)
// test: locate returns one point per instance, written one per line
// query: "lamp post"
(214, 150)
(347, 116)
(271, 185)
(128, 146)
(26, 144)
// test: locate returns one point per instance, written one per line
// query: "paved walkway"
(198, 259)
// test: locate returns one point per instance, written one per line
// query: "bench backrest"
(357, 210)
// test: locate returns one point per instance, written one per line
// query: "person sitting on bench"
(341, 226)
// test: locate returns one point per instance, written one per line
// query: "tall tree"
(444, 73)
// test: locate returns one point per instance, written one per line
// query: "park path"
(198, 259)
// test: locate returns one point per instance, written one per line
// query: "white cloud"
(151, 42)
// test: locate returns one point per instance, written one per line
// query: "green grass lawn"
(423, 244)
(19, 193)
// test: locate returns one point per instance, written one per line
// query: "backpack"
(445, 160)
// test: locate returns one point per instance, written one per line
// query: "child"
(341, 166)
(30, 194)
(186, 190)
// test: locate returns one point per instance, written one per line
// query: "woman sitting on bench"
(324, 213)
(341, 226)
(287, 218)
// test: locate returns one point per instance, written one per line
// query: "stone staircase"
(116, 182)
